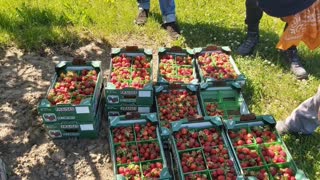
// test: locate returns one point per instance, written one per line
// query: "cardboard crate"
(128, 95)
(133, 139)
(205, 82)
(200, 132)
(176, 66)
(262, 135)
(229, 102)
(85, 111)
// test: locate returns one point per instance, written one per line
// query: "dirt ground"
(25, 147)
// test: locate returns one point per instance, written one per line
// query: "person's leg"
(144, 6)
(293, 59)
(168, 11)
(304, 119)
(253, 16)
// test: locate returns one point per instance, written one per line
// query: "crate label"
(128, 108)
(128, 92)
(64, 109)
(69, 126)
(113, 99)
(128, 100)
(71, 134)
(82, 110)
(66, 118)
(144, 109)
(49, 117)
(144, 93)
(86, 127)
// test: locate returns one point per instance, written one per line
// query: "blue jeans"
(305, 118)
(167, 9)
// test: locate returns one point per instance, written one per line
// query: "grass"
(271, 89)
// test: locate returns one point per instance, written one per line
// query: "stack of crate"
(73, 104)
(129, 87)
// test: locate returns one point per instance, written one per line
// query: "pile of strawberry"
(213, 110)
(176, 69)
(71, 87)
(130, 71)
(176, 105)
(204, 149)
(136, 145)
(216, 65)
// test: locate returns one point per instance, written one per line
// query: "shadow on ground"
(24, 146)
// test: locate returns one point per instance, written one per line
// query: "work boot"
(247, 47)
(296, 67)
(173, 29)
(142, 17)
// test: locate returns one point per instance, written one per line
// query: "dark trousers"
(253, 16)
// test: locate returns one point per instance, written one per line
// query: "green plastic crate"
(212, 82)
(128, 95)
(252, 126)
(227, 99)
(85, 111)
(76, 129)
(122, 121)
(177, 52)
(212, 122)
(117, 110)
(166, 89)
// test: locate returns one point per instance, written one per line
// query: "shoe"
(296, 67)
(247, 47)
(282, 128)
(173, 29)
(142, 17)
